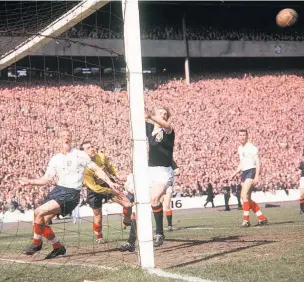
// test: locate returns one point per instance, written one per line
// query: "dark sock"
(158, 216)
(302, 205)
(132, 235)
(169, 217)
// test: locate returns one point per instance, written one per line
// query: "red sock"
(50, 236)
(246, 209)
(98, 230)
(257, 211)
(38, 232)
(168, 212)
(127, 215)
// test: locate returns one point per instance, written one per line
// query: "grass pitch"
(207, 244)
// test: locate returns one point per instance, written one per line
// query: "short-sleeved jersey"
(161, 146)
(92, 181)
(69, 168)
(248, 156)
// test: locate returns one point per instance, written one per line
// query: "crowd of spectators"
(175, 32)
(206, 116)
(200, 32)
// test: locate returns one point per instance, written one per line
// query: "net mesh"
(40, 95)
(21, 19)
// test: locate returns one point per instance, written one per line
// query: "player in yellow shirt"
(98, 190)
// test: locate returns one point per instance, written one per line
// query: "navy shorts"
(95, 199)
(67, 198)
(248, 174)
(131, 197)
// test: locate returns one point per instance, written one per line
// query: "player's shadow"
(237, 249)
(190, 243)
(274, 223)
(281, 222)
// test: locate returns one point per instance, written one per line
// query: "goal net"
(60, 68)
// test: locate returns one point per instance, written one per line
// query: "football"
(286, 17)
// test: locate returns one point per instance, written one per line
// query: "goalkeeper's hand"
(117, 193)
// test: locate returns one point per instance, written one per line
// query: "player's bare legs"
(50, 208)
(97, 220)
(97, 224)
(47, 218)
(249, 204)
(42, 215)
(246, 199)
(157, 208)
(167, 208)
(130, 244)
(127, 209)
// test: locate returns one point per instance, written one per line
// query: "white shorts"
(169, 190)
(161, 175)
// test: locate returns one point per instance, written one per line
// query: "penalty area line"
(152, 271)
(162, 273)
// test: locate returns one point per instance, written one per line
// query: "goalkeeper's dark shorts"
(95, 200)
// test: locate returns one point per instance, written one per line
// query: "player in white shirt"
(67, 169)
(250, 168)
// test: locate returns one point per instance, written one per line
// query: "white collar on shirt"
(157, 131)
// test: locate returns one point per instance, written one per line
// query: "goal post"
(133, 60)
(138, 131)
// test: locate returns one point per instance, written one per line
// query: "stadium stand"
(206, 114)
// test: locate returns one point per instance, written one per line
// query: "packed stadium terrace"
(206, 116)
(168, 32)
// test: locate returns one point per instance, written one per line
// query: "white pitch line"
(154, 271)
(59, 264)
(161, 273)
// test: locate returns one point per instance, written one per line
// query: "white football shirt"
(129, 185)
(69, 168)
(248, 156)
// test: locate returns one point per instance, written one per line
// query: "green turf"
(206, 245)
(277, 254)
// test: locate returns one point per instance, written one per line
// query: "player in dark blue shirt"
(160, 135)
